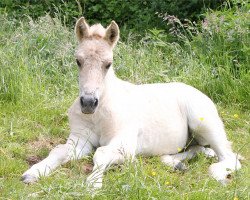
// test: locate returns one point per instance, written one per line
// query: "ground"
(28, 136)
(38, 83)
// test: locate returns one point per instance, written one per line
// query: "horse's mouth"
(88, 111)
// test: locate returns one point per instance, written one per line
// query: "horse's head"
(94, 58)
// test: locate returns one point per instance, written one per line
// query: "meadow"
(38, 83)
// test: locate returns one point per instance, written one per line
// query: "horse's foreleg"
(103, 157)
(106, 156)
(75, 148)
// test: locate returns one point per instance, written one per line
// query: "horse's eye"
(108, 65)
(78, 63)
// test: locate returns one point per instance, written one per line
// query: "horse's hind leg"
(212, 131)
(175, 160)
(228, 161)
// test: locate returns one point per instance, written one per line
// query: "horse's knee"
(107, 155)
(65, 152)
(61, 149)
(60, 153)
(100, 155)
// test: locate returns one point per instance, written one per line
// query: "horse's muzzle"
(88, 103)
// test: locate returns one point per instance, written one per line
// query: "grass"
(39, 83)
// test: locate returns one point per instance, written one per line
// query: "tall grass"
(38, 58)
(212, 56)
(38, 82)
(223, 45)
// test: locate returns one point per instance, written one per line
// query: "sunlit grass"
(38, 83)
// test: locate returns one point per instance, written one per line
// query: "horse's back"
(179, 95)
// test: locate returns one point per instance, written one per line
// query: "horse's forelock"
(97, 31)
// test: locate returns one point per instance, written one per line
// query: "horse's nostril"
(82, 101)
(95, 102)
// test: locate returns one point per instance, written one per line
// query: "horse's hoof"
(28, 179)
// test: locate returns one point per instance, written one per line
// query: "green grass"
(38, 83)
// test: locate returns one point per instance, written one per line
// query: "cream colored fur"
(151, 119)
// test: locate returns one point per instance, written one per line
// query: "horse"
(121, 120)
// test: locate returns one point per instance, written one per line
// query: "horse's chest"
(105, 131)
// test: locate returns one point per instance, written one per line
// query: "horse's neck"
(113, 88)
(114, 95)
(112, 83)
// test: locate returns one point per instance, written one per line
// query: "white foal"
(122, 120)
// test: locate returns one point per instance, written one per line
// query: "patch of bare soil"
(44, 142)
(87, 168)
(41, 143)
(33, 159)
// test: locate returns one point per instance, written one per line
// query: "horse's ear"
(112, 34)
(81, 29)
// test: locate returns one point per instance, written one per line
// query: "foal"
(122, 120)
